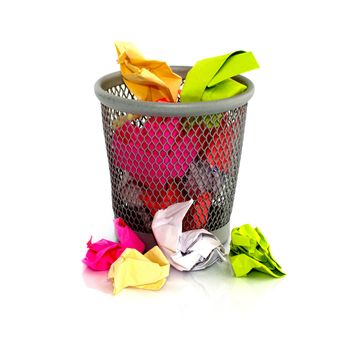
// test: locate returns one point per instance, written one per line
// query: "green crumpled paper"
(209, 121)
(249, 250)
(210, 79)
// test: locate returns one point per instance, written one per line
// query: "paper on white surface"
(186, 251)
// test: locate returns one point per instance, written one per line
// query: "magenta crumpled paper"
(103, 253)
(157, 152)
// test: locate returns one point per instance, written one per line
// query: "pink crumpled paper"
(103, 253)
(157, 152)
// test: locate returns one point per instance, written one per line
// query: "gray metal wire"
(156, 161)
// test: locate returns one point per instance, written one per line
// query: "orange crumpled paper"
(148, 80)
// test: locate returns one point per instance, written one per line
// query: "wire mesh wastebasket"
(163, 153)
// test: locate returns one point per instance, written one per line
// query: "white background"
(55, 190)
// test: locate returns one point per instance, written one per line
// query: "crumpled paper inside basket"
(157, 152)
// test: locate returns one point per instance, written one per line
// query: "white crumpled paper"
(186, 251)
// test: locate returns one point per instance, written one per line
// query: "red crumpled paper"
(220, 150)
(103, 253)
(172, 193)
(198, 214)
(155, 199)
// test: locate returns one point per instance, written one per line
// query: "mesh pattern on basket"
(157, 161)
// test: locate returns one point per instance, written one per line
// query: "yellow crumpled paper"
(148, 80)
(133, 269)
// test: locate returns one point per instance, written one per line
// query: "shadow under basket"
(163, 153)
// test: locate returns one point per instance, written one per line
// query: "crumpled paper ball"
(219, 153)
(157, 152)
(249, 250)
(198, 214)
(133, 269)
(202, 177)
(102, 254)
(155, 199)
(129, 203)
(186, 251)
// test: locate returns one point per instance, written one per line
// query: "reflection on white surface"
(212, 290)
(216, 286)
(97, 280)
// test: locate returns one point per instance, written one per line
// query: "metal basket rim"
(168, 109)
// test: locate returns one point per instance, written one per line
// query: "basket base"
(223, 234)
